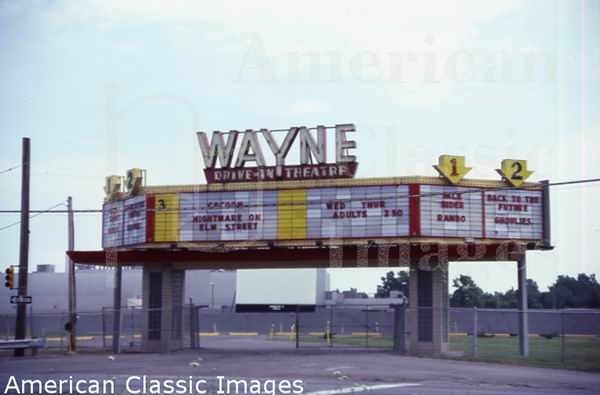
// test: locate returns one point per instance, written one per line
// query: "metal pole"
(331, 327)
(71, 271)
(117, 311)
(212, 295)
(131, 325)
(523, 320)
(399, 329)
(367, 326)
(198, 323)
(62, 328)
(192, 326)
(546, 230)
(562, 335)
(103, 329)
(297, 326)
(24, 246)
(475, 331)
(31, 332)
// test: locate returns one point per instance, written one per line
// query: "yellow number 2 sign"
(514, 171)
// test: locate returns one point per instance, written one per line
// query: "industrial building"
(215, 289)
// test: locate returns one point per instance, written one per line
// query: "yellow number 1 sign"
(452, 168)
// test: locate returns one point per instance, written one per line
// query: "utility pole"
(24, 246)
(71, 270)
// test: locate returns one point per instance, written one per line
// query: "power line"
(12, 168)
(307, 203)
(40, 212)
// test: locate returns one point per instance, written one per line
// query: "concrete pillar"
(116, 337)
(162, 303)
(400, 329)
(523, 320)
(428, 301)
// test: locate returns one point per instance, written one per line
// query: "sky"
(104, 86)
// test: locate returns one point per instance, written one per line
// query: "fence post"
(31, 333)
(192, 327)
(62, 331)
(331, 327)
(399, 329)
(132, 325)
(475, 331)
(197, 321)
(367, 326)
(562, 335)
(103, 329)
(297, 326)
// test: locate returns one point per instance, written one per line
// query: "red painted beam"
(347, 256)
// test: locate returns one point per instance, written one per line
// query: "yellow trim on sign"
(291, 214)
(166, 225)
(307, 184)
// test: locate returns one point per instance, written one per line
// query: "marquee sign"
(313, 155)
(305, 213)
(309, 214)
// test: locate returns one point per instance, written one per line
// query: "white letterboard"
(332, 213)
(448, 211)
(134, 217)
(112, 224)
(378, 211)
(225, 216)
(375, 211)
(514, 214)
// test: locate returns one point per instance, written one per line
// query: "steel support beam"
(523, 320)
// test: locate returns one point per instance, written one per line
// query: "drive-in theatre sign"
(313, 213)
(250, 151)
(315, 200)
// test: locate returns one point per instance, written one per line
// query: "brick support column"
(162, 304)
(428, 302)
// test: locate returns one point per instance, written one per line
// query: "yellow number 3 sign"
(514, 171)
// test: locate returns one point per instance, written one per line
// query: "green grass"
(341, 341)
(581, 353)
(350, 341)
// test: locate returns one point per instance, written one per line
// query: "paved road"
(323, 371)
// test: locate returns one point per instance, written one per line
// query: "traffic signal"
(9, 278)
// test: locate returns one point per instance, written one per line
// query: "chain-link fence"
(569, 336)
(347, 326)
(556, 337)
(326, 326)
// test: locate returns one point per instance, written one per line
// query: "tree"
(534, 297)
(588, 291)
(566, 292)
(467, 293)
(570, 292)
(392, 283)
(510, 299)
